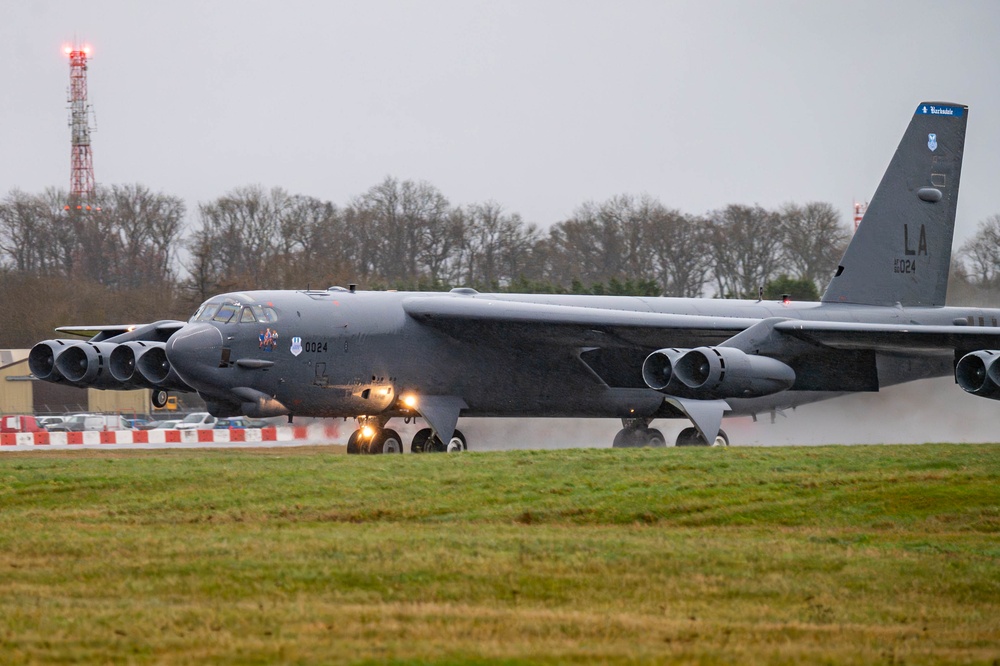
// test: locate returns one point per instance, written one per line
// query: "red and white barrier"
(318, 433)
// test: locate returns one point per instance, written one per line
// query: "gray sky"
(539, 105)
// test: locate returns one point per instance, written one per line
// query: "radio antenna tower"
(81, 182)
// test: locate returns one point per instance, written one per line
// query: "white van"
(93, 422)
(197, 421)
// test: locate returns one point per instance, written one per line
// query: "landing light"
(410, 401)
(367, 432)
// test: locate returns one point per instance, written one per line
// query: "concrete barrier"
(318, 433)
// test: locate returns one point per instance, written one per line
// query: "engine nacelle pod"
(155, 369)
(658, 370)
(43, 356)
(124, 362)
(978, 373)
(86, 364)
(710, 373)
(726, 372)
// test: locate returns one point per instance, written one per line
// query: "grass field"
(883, 554)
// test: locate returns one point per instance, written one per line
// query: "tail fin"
(901, 252)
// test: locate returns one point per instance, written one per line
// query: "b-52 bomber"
(375, 356)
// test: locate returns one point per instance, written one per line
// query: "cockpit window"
(265, 315)
(225, 313)
(206, 312)
(231, 310)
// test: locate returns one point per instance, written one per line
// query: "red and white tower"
(81, 182)
(859, 212)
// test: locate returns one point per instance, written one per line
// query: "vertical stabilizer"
(901, 252)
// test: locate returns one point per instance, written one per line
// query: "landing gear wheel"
(457, 443)
(625, 439)
(386, 441)
(425, 441)
(421, 440)
(353, 446)
(722, 439)
(158, 398)
(632, 438)
(655, 438)
(691, 437)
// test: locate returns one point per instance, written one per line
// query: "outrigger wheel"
(158, 398)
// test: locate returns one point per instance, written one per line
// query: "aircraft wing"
(908, 338)
(512, 321)
(98, 333)
(488, 318)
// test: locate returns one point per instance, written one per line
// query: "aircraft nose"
(194, 352)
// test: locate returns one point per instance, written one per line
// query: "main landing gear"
(372, 437)
(425, 441)
(636, 433)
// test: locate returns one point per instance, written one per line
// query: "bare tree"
(814, 241)
(679, 247)
(316, 247)
(239, 238)
(142, 230)
(746, 245)
(980, 255)
(406, 231)
(497, 247)
(24, 232)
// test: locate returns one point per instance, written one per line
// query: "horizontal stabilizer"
(892, 337)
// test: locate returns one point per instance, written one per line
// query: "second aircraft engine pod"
(716, 372)
(978, 373)
(125, 359)
(86, 364)
(155, 368)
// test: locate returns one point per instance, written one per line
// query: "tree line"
(134, 244)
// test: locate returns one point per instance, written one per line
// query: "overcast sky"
(539, 105)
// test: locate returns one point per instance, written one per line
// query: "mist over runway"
(930, 410)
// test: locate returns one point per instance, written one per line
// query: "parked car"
(197, 421)
(50, 422)
(137, 424)
(20, 424)
(91, 423)
(166, 424)
(239, 422)
(71, 423)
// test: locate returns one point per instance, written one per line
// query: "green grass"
(884, 554)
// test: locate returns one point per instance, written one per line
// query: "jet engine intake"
(978, 373)
(43, 356)
(710, 373)
(154, 367)
(658, 370)
(86, 364)
(124, 360)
